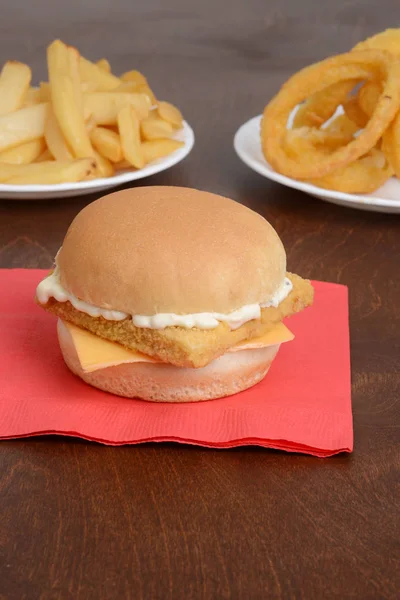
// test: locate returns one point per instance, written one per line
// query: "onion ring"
(353, 111)
(342, 125)
(352, 65)
(319, 107)
(388, 40)
(362, 176)
(391, 145)
(368, 96)
(312, 139)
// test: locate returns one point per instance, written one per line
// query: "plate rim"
(99, 183)
(308, 188)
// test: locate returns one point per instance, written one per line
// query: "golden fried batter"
(186, 347)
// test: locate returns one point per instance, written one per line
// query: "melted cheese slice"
(95, 353)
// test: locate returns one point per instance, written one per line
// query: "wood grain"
(81, 521)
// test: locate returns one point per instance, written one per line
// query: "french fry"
(155, 129)
(104, 166)
(47, 172)
(55, 141)
(24, 154)
(90, 124)
(65, 102)
(46, 155)
(57, 56)
(73, 68)
(138, 88)
(113, 128)
(153, 114)
(32, 96)
(22, 126)
(129, 131)
(146, 89)
(135, 76)
(107, 143)
(105, 106)
(129, 87)
(170, 113)
(123, 165)
(44, 91)
(71, 118)
(159, 148)
(105, 82)
(104, 65)
(87, 87)
(15, 79)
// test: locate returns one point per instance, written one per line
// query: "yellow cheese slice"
(95, 353)
(278, 335)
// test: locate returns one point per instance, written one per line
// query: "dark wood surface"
(83, 521)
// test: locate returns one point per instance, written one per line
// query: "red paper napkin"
(303, 405)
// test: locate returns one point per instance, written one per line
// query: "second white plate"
(247, 145)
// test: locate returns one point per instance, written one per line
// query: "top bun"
(159, 249)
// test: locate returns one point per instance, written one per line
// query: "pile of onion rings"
(355, 149)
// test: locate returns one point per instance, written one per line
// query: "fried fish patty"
(186, 347)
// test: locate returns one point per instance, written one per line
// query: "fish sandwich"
(171, 294)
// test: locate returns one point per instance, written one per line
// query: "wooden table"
(82, 521)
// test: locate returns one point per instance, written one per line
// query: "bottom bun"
(229, 374)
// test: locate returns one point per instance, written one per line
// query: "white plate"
(64, 190)
(247, 145)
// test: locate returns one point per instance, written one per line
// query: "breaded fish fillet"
(186, 347)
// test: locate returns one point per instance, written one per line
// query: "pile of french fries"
(84, 123)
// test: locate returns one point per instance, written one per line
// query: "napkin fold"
(303, 404)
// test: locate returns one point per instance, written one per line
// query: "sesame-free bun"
(229, 374)
(151, 250)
